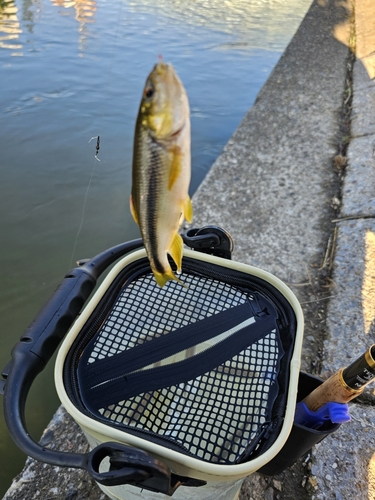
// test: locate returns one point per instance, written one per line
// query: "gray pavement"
(275, 188)
(344, 467)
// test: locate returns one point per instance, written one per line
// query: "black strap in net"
(197, 370)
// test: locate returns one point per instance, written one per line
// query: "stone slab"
(343, 465)
(363, 105)
(351, 311)
(359, 184)
(365, 34)
(42, 481)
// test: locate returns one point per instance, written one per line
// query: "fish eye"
(149, 92)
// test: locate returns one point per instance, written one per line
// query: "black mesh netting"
(197, 367)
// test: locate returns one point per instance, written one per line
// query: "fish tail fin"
(188, 209)
(175, 251)
(162, 278)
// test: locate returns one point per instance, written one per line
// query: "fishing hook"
(97, 145)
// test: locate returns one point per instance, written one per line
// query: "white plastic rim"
(98, 432)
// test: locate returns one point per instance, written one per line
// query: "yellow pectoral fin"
(175, 169)
(175, 251)
(188, 209)
(132, 210)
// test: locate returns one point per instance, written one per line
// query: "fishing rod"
(328, 402)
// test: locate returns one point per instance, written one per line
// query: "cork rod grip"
(332, 390)
(346, 384)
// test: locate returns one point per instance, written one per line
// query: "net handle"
(30, 356)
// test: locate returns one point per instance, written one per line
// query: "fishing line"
(83, 216)
(97, 147)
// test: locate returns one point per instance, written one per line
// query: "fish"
(161, 170)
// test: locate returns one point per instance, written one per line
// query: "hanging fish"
(161, 169)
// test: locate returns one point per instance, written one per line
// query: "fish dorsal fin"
(188, 209)
(175, 169)
(175, 251)
(132, 210)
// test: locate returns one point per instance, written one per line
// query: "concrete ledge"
(42, 481)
